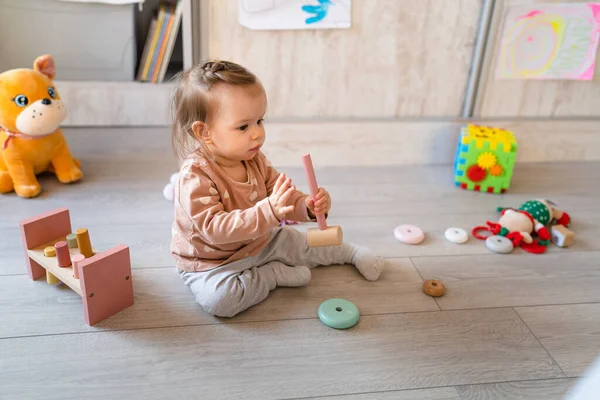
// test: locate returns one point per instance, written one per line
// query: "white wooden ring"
(499, 244)
(456, 235)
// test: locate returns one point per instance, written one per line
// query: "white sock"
(367, 263)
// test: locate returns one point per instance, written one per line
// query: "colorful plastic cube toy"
(485, 157)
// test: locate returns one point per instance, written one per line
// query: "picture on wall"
(294, 14)
(549, 41)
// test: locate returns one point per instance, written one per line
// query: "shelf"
(129, 103)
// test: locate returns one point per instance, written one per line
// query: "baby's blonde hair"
(190, 100)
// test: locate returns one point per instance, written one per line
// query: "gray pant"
(230, 289)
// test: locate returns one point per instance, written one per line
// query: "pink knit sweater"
(219, 220)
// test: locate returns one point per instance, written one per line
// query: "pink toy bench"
(104, 279)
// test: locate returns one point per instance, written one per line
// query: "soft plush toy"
(520, 225)
(169, 189)
(31, 141)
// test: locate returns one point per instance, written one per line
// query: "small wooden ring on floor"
(499, 244)
(409, 234)
(434, 288)
(338, 313)
(456, 235)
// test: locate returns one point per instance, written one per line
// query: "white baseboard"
(404, 142)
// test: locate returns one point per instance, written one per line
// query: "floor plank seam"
(538, 340)
(460, 396)
(490, 254)
(454, 386)
(230, 323)
(423, 280)
(387, 258)
(264, 321)
(299, 319)
(519, 306)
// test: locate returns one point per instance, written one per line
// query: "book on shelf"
(160, 42)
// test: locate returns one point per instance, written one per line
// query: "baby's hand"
(280, 196)
(322, 205)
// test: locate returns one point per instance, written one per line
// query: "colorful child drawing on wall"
(319, 11)
(550, 42)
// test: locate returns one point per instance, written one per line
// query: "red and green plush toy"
(526, 226)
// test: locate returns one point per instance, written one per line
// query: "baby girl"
(228, 242)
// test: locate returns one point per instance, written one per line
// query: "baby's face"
(236, 130)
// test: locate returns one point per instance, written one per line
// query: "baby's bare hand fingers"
(324, 205)
(284, 187)
(278, 183)
(286, 196)
(324, 201)
(320, 202)
(286, 210)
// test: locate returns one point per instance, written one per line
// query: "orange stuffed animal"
(31, 141)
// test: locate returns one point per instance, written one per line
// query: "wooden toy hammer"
(324, 235)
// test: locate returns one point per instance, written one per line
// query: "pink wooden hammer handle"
(313, 187)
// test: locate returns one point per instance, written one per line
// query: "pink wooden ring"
(409, 234)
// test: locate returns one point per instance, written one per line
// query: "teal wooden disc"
(338, 313)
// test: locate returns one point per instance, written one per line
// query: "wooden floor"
(516, 326)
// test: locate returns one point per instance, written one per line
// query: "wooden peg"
(72, 240)
(50, 251)
(323, 235)
(83, 242)
(76, 259)
(51, 279)
(62, 254)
